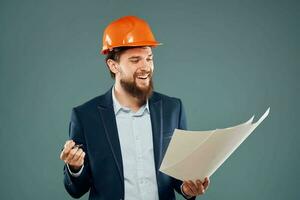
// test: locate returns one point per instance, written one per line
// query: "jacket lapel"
(156, 111)
(108, 119)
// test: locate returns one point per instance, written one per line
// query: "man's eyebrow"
(138, 57)
(134, 57)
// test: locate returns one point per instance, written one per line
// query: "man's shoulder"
(165, 98)
(94, 102)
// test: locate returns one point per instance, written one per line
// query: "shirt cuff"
(186, 196)
(77, 174)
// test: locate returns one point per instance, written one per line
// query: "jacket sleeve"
(77, 186)
(182, 124)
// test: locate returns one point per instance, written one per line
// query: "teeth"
(143, 77)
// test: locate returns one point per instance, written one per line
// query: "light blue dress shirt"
(135, 135)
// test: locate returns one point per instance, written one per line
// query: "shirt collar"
(118, 106)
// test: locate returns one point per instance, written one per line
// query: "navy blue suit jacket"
(93, 124)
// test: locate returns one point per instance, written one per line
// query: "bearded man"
(118, 140)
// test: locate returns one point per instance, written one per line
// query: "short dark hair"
(115, 55)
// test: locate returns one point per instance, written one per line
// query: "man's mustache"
(142, 73)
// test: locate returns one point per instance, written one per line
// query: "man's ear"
(113, 66)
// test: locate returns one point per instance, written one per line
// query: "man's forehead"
(138, 52)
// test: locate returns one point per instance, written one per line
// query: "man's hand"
(196, 188)
(72, 155)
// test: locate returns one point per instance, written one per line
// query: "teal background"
(226, 60)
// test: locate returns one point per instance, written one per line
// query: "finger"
(64, 154)
(67, 148)
(200, 187)
(78, 163)
(69, 144)
(206, 183)
(78, 158)
(193, 187)
(186, 189)
(77, 155)
(81, 159)
(71, 155)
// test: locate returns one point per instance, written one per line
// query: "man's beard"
(131, 87)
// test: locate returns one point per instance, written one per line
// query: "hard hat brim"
(105, 50)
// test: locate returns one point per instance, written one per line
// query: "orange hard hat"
(127, 31)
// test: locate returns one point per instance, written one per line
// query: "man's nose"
(145, 65)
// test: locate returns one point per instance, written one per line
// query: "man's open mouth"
(143, 77)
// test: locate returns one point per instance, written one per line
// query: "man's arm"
(76, 185)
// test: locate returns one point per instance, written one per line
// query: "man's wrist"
(185, 195)
(75, 173)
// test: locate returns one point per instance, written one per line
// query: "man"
(118, 140)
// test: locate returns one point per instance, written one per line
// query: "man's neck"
(126, 99)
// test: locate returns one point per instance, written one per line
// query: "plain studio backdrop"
(226, 60)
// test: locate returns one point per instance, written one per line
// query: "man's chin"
(143, 87)
(139, 89)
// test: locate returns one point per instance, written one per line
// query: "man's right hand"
(72, 155)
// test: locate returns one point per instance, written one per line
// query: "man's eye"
(134, 61)
(149, 59)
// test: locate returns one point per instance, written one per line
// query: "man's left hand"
(196, 188)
